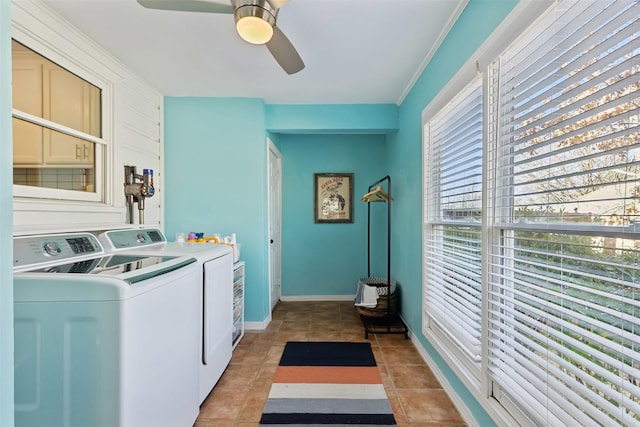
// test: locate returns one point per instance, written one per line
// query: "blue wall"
(328, 259)
(215, 180)
(6, 221)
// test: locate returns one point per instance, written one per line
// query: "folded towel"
(367, 296)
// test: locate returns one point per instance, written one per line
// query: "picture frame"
(332, 198)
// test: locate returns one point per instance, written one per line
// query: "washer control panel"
(42, 249)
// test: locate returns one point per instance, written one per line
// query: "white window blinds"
(564, 270)
(452, 214)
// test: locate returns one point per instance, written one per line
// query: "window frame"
(103, 145)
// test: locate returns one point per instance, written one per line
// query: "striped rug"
(327, 383)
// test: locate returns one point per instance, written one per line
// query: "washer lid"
(130, 268)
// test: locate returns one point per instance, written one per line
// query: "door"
(275, 215)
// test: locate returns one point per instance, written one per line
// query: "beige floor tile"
(334, 326)
(265, 377)
(294, 326)
(393, 340)
(413, 376)
(253, 406)
(214, 424)
(298, 316)
(401, 355)
(274, 354)
(238, 376)
(325, 335)
(249, 355)
(352, 336)
(396, 406)
(222, 405)
(285, 336)
(422, 406)
(387, 381)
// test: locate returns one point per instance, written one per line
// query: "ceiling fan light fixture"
(254, 23)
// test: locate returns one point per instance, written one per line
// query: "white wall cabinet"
(46, 90)
(238, 302)
(27, 137)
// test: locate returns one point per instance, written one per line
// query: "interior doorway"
(275, 221)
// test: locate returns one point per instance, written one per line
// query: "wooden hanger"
(376, 195)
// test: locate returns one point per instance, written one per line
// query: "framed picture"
(333, 197)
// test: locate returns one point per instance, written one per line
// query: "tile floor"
(237, 400)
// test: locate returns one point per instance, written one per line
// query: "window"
(560, 229)
(452, 233)
(57, 128)
(564, 287)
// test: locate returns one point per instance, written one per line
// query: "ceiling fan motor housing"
(254, 20)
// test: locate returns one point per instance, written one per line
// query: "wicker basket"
(381, 308)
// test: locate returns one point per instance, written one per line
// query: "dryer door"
(217, 320)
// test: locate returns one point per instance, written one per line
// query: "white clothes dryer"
(215, 262)
(103, 340)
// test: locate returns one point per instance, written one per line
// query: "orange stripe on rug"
(328, 375)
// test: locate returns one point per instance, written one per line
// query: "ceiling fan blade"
(188, 5)
(284, 52)
(277, 4)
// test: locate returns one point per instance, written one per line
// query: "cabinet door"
(62, 149)
(67, 100)
(27, 97)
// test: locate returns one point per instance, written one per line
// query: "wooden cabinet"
(46, 90)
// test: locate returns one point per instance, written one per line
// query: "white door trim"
(274, 221)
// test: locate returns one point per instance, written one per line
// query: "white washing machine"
(103, 340)
(215, 262)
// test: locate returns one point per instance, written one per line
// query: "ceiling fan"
(255, 23)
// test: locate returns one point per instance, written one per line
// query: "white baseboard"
(257, 326)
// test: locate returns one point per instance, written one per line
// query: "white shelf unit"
(238, 302)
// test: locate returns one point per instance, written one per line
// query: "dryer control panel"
(130, 239)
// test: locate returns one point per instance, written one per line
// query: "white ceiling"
(355, 51)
